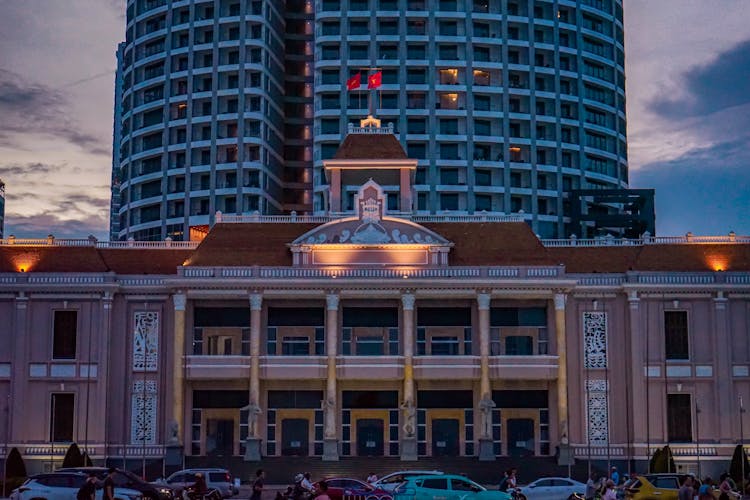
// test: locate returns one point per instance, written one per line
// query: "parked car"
(63, 486)
(338, 487)
(447, 487)
(660, 487)
(390, 481)
(553, 488)
(217, 479)
(126, 479)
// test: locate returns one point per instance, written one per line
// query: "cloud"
(721, 83)
(40, 225)
(28, 109)
(706, 190)
(28, 169)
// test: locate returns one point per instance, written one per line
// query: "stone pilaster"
(485, 404)
(564, 457)
(409, 404)
(638, 379)
(726, 395)
(17, 411)
(177, 433)
(330, 403)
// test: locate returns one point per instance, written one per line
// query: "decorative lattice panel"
(143, 413)
(146, 341)
(595, 339)
(597, 411)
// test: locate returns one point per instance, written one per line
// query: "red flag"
(354, 82)
(375, 80)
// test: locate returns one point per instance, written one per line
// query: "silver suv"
(217, 479)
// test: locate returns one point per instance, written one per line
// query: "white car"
(63, 486)
(390, 481)
(553, 488)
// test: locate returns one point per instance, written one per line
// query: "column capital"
(256, 301)
(720, 301)
(633, 300)
(560, 299)
(483, 301)
(332, 302)
(179, 299)
(21, 300)
(407, 301)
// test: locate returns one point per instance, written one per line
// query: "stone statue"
(410, 412)
(253, 413)
(174, 433)
(329, 407)
(486, 404)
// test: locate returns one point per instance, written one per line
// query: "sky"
(688, 90)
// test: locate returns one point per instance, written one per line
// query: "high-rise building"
(233, 105)
(2, 208)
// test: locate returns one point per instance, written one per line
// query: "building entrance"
(370, 437)
(445, 437)
(520, 437)
(219, 437)
(295, 437)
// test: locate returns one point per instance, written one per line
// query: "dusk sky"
(688, 89)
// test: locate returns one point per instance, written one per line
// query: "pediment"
(370, 237)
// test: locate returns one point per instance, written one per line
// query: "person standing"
(614, 475)
(372, 478)
(260, 474)
(109, 484)
(591, 486)
(725, 488)
(609, 492)
(87, 491)
(686, 490)
(503, 485)
(323, 487)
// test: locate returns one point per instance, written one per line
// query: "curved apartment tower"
(507, 104)
(201, 114)
(233, 105)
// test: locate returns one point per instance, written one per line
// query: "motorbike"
(296, 491)
(190, 493)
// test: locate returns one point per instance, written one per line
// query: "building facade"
(233, 105)
(376, 335)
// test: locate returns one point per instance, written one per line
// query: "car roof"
(57, 473)
(432, 476)
(202, 469)
(413, 472)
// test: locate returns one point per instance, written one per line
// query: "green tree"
(655, 461)
(73, 457)
(15, 471)
(736, 466)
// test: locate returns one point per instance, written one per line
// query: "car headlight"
(165, 491)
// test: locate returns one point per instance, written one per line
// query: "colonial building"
(376, 332)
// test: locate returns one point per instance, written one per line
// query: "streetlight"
(698, 437)
(742, 445)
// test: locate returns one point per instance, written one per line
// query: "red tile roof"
(58, 259)
(370, 147)
(250, 244)
(477, 244)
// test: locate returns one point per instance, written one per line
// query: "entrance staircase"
(281, 470)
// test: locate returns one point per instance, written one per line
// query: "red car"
(340, 487)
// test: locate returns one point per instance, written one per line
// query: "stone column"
(565, 456)
(177, 432)
(726, 395)
(330, 434)
(408, 405)
(252, 443)
(486, 448)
